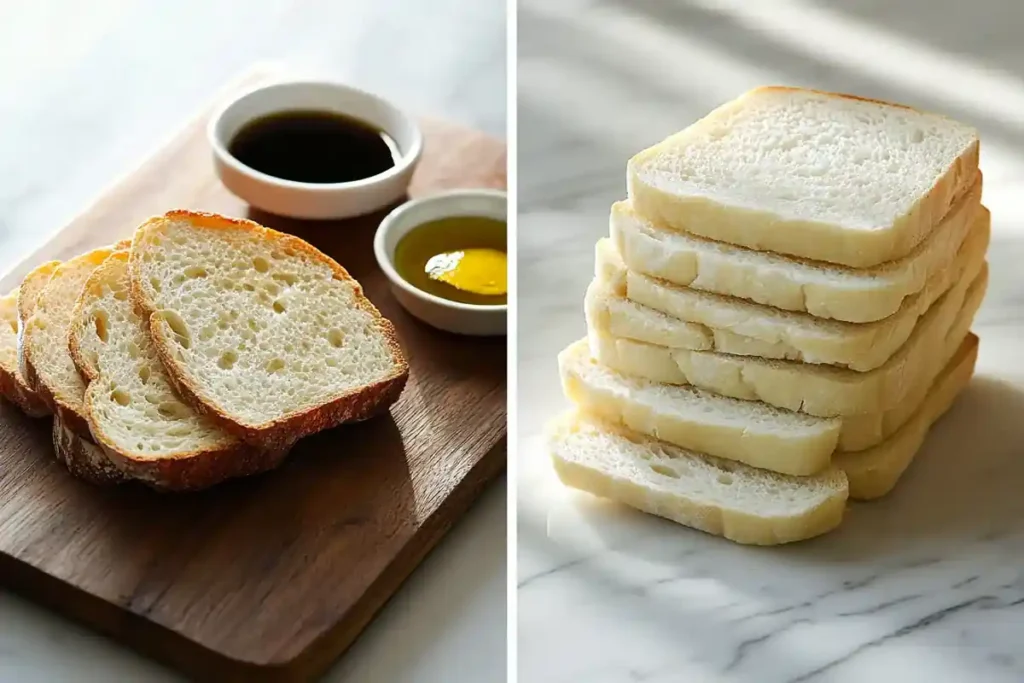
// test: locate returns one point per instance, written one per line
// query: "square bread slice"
(141, 424)
(874, 472)
(45, 344)
(821, 289)
(748, 329)
(259, 330)
(818, 175)
(821, 390)
(743, 504)
(13, 385)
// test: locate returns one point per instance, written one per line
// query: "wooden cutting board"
(270, 578)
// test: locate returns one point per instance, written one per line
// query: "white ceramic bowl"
(314, 200)
(451, 316)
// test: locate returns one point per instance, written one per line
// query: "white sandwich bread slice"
(135, 416)
(821, 390)
(744, 328)
(820, 289)
(818, 175)
(874, 472)
(45, 343)
(13, 385)
(750, 432)
(743, 504)
(259, 331)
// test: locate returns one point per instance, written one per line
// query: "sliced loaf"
(13, 385)
(743, 504)
(45, 343)
(821, 289)
(748, 329)
(28, 294)
(260, 331)
(818, 175)
(821, 390)
(83, 458)
(146, 430)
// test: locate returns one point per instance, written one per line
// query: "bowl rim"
(406, 160)
(385, 260)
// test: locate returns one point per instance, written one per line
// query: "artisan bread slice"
(82, 457)
(748, 329)
(12, 383)
(874, 472)
(28, 294)
(750, 432)
(822, 176)
(259, 330)
(821, 390)
(820, 289)
(45, 343)
(133, 412)
(721, 497)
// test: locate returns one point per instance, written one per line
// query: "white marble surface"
(88, 89)
(925, 585)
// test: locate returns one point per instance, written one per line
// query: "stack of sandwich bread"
(200, 350)
(780, 313)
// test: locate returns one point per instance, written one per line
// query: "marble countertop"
(924, 585)
(88, 90)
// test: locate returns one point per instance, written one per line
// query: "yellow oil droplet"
(480, 271)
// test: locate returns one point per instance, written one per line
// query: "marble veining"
(924, 585)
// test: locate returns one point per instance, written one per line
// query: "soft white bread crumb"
(261, 331)
(747, 431)
(793, 284)
(748, 329)
(722, 497)
(818, 175)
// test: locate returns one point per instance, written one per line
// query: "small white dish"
(451, 316)
(314, 200)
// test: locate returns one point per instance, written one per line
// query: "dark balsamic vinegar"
(312, 146)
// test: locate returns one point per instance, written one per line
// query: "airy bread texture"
(874, 472)
(45, 343)
(720, 497)
(259, 330)
(748, 329)
(820, 289)
(28, 294)
(818, 175)
(133, 412)
(13, 385)
(750, 432)
(821, 390)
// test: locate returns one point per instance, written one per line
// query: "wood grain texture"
(272, 577)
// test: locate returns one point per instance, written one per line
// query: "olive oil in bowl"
(459, 258)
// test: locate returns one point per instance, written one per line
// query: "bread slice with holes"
(83, 458)
(744, 328)
(45, 345)
(743, 504)
(818, 175)
(820, 289)
(820, 390)
(13, 385)
(259, 330)
(133, 412)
